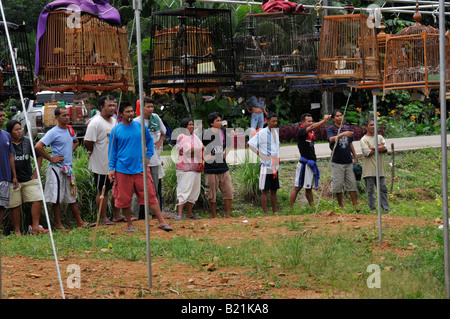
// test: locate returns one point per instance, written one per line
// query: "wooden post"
(393, 168)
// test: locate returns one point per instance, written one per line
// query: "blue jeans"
(257, 120)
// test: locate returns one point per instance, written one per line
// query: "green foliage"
(282, 107)
(248, 180)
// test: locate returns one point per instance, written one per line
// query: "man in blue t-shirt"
(60, 180)
(340, 139)
(126, 167)
(7, 166)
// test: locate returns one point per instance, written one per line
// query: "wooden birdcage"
(381, 39)
(22, 56)
(278, 46)
(192, 50)
(412, 59)
(91, 56)
(348, 49)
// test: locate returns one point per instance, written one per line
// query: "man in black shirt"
(217, 175)
(340, 139)
(307, 173)
(28, 190)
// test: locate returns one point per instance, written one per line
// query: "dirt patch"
(27, 278)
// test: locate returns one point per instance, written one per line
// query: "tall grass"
(248, 180)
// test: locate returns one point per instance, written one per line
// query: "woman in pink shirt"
(188, 169)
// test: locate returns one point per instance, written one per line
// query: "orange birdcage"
(348, 48)
(412, 59)
(381, 40)
(91, 56)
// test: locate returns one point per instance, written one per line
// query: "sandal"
(177, 218)
(41, 230)
(165, 227)
(194, 217)
(130, 229)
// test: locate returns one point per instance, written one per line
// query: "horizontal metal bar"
(397, 9)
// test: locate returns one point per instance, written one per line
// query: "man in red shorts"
(126, 167)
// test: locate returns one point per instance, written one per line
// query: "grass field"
(300, 253)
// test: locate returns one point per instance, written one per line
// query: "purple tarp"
(100, 8)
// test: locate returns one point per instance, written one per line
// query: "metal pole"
(137, 5)
(377, 165)
(27, 123)
(330, 7)
(443, 108)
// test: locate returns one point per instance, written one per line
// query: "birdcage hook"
(318, 6)
(434, 13)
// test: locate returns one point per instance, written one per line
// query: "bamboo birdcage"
(348, 49)
(412, 59)
(278, 46)
(382, 39)
(22, 56)
(192, 50)
(92, 56)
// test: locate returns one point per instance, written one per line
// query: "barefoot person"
(342, 174)
(189, 161)
(217, 174)
(60, 180)
(266, 144)
(96, 142)
(307, 174)
(28, 190)
(126, 167)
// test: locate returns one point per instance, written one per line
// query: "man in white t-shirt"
(158, 131)
(96, 142)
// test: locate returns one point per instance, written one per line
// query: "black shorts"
(99, 181)
(268, 181)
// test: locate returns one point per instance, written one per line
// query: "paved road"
(291, 153)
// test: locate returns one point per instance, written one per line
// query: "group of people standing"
(340, 139)
(116, 160)
(343, 178)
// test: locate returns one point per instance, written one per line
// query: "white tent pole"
(444, 171)
(137, 5)
(377, 165)
(33, 151)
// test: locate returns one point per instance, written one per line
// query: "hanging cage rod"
(384, 9)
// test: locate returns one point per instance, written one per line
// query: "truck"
(40, 112)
